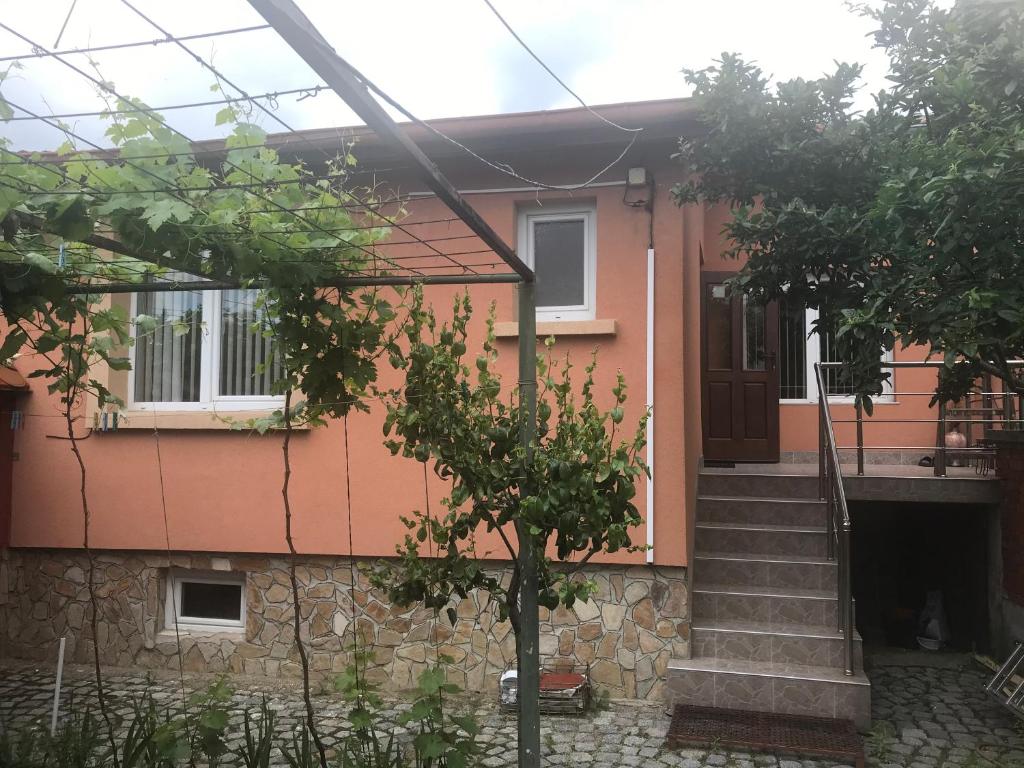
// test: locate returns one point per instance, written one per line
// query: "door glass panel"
(753, 336)
(719, 330)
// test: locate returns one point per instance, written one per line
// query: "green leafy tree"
(244, 215)
(574, 495)
(904, 224)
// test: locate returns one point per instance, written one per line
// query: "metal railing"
(831, 490)
(1007, 414)
(996, 409)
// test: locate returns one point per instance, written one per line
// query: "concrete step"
(770, 687)
(782, 605)
(753, 570)
(807, 541)
(742, 509)
(757, 485)
(806, 645)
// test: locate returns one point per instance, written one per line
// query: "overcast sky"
(440, 58)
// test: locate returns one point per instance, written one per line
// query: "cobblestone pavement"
(925, 717)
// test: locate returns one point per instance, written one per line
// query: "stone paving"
(934, 716)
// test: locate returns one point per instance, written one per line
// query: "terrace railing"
(983, 408)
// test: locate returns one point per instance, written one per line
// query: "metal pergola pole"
(528, 672)
(344, 282)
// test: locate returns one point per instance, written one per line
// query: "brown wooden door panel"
(719, 414)
(740, 378)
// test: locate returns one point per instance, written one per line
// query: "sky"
(439, 58)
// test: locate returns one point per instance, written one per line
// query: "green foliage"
(250, 217)
(904, 224)
(255, 749)
(575, 493)
(440, 738)
(437, 744)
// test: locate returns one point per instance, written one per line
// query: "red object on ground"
(560, 681)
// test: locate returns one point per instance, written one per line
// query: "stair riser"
(781, 649)
(772, 694)
(758, 486)
(762, 542)
(760, 512)
(778, 610)
(748, 573)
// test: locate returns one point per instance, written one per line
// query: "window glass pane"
(167, 358)
(753, 336)
(719, 331)
(247, 366)
(560, 262)
(793, 351)
(200, 600)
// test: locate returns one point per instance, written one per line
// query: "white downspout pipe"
(650, 404)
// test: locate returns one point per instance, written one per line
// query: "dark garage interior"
(902, 552)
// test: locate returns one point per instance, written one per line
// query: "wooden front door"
(740, 378)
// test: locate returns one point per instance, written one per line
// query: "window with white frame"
(799, 350)
(559, 243)
(202, 350)
(205, 601)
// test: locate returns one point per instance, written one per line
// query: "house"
(735, 603)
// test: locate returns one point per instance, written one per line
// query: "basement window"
(205, 601)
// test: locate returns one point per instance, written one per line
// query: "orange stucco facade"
(222, 488)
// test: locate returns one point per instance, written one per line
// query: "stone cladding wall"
(637, 621)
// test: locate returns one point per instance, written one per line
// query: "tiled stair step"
(762, 539)
(760, 486)
(785, 605)
(752, 570)
(814, 646)
(742, 509)
(770, 687)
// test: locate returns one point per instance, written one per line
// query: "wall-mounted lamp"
(639, 188)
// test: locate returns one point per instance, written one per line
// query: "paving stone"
(934, 718)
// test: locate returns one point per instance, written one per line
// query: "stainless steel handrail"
(837, 516)
(941, 422)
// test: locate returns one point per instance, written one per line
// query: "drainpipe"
(650, 369)
(650, 401)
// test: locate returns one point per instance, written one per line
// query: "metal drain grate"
(765, 731)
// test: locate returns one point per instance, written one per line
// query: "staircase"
(765, 604)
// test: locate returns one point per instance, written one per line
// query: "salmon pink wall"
(798, 422)
(223, 488)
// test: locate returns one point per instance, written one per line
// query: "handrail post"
(860, 437)
(822, 478)
(846, 601)
(830, 524)
(940, 442)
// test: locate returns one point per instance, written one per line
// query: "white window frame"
(209, 357)
(527, 219)
(172, 601)
(812, 356)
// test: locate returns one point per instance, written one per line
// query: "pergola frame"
(301, 35)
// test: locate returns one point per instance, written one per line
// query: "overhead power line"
(557, 79)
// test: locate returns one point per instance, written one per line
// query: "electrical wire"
(40, 54)
(557, 79)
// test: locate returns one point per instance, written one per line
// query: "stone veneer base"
(637, 621)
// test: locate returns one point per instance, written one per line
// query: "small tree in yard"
(574, 494)
(902, 224)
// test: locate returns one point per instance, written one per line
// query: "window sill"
(227, 633)
(134, 419)
(510, 330)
